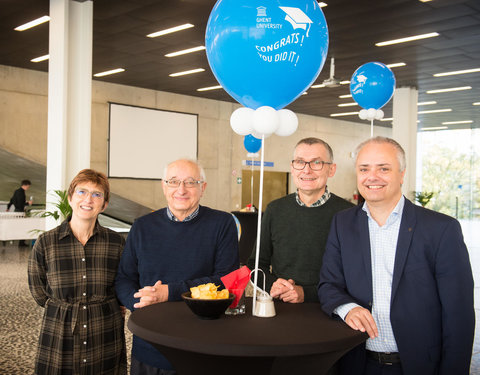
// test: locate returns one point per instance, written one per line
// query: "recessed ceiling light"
(396, 65)
(317, 86)
(457, 122)
(345, 96)
(449, 90)
(210, 88)
(465, 71)
(407, 39)
(187, 72)
(346, 104)
(435, 128)
(435, 111)
(170, 30)
(40, 58)
(108, 72)
(476, 103)
(322, 4)
(344, 114)
(424, 1)
(33, 23)
(185, 51)
(427, 103)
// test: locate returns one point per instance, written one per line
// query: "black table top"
(297, 329)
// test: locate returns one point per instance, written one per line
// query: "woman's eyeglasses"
(82, 193)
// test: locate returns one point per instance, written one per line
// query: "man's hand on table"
(151, 294)
(287, 291)
(360, 319)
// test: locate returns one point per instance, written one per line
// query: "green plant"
(61, 203)
(423, 197)
(63, 208)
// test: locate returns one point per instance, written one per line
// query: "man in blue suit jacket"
(399, 272)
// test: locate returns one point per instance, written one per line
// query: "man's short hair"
(203, 176)
(90, 175)
(313, 141)
(400, 151)
(25, 183)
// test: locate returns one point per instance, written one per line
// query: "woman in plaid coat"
(71, 273)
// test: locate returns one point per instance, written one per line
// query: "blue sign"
(256, 163)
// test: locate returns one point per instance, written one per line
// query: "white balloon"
(288, 123)
(259, 135)
(379, 114)
(363, 114)
(265, 120)
(241, 120)
(371, 113)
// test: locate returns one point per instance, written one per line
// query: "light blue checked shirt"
(383, 244)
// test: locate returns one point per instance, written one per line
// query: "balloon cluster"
(263, 121)
(372, 86)
(371, 114)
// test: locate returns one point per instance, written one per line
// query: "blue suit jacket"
(432, 311)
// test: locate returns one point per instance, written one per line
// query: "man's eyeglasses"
(82, 193)
(190, 183)
(315, 165)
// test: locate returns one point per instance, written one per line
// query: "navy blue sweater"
(180, 254)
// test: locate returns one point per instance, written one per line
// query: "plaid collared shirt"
(192, 216)
(323, 199)
(83, 327)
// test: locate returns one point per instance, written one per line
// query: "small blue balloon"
(266, 53)
(252, 144)
(372, 85)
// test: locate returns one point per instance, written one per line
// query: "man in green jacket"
(295, 227)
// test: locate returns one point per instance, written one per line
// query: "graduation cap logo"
(361, 78)
(297, 18)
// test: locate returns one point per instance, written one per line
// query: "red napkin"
(236, 282)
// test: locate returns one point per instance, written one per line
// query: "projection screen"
(142, 141)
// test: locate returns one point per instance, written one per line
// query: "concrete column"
(79, 87)
(69, 94)
(404, 131)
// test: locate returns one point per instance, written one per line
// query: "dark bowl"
(207, 308)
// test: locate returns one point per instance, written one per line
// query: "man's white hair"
(203, 177)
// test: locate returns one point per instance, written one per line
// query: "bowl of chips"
(207, 302)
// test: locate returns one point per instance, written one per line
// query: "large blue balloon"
(252, 144)
(372, 85)
(266, 53)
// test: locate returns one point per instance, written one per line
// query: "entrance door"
(275, 185)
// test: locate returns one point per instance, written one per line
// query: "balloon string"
(259, 221)
(371, 128)
(251, 186)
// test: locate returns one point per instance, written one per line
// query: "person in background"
(295, 228)
(173, 249)
(18, 199)
(71, 273)
(399, 272)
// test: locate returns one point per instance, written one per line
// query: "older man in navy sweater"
(172, 249)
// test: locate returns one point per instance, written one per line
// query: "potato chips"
(208, 291)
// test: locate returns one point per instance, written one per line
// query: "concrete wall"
(23, 130)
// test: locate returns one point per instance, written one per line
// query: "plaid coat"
(82, 329)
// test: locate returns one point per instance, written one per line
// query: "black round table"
(300, 339)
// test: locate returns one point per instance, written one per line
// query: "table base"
(189, 363)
